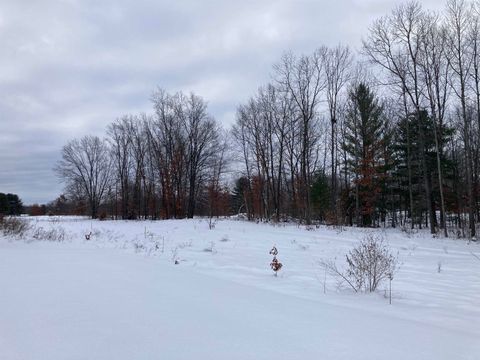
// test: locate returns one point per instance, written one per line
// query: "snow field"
(120, 295)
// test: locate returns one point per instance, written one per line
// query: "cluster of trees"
(389, 136)
(167, 165)
(10, 204)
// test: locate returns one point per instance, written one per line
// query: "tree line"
(388, 136)
(165, 165)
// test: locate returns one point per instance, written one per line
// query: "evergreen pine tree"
(365, 133)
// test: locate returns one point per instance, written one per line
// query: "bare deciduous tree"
(337, 64)
(394, 43)
(85, 166)
(304, 79)
(458, 23)
(120, 143)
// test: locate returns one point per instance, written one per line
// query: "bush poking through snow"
(13, 226)
(211, 248)
(175, 258)
(408, 230)
(368, 265)
(211, 223)
(54, 234)
(139, 247)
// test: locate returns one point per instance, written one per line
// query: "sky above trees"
(69, 68)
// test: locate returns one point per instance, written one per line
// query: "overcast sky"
(70, 67)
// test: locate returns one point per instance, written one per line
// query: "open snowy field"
(120, 294)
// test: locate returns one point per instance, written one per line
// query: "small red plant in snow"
(275, 264)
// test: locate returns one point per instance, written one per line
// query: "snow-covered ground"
(120, 295)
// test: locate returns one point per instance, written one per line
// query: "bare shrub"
(53, 219)
(368, 265)
(300, 246)
(13, 226)
(210, 248)
(54, 234)
(211, 223)
(139, 247)
(174, 257)
(408, 231)
(185, 244)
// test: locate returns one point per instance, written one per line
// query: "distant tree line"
(386, 137)
(62, 205)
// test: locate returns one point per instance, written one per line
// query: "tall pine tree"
(364, 144)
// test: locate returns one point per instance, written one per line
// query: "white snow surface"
(120, 294)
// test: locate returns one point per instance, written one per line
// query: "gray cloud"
(69, 67)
